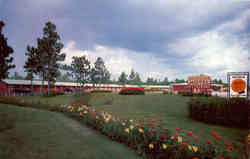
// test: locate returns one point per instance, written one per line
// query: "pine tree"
(31, 64)
(49, 52)
(5, 52)
(132, 77)
(123, 78)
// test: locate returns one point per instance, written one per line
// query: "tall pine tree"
(5, 52)
(31, 64)
(49, 52)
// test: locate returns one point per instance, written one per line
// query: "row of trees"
(44, 61)
(81, 70)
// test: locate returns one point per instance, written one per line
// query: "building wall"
(200, 83)
(3, 88)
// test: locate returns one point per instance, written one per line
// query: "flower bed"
(131, 91)
(229, 112)
(149, 138)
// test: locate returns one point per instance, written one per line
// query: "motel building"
(9, 87)
(196, 84)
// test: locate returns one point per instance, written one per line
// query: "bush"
(229, 112)
(132, 91)
(101, 91)
(166, 92)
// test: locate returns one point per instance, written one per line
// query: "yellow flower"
(126, 130)
(179, 139)
(131, 121)
(195, 148)
(164, 146)
(131, 127)
(151, 146)
(190, 147)
(85, 112)
(107, 120)
(141, 130)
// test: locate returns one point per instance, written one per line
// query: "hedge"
(220, 111)
(132, 91)
(191, 94)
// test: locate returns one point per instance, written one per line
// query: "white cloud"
(214, 53)
(118, 60)
(239, 24)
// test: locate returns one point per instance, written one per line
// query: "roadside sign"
(238, 84)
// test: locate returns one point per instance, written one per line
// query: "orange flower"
(195, 158)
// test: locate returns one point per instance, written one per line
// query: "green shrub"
(221, 111)
(101, 91)
(166, 92)
(132, 91)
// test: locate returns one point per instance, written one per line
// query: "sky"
(156, 38)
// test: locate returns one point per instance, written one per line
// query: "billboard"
(238, 84)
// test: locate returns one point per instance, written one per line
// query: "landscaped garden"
(163, 119)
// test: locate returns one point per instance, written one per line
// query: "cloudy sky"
(158, 38)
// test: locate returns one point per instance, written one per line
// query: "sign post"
(238, 83)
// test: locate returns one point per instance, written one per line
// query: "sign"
(238, 84)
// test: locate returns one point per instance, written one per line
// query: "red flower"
(154, 130)
(177, 128)
(150, 124)
(176, 133)
(216, 135)
(221, 157)
(157, 125)
(227, 144)
(163, 136)
(196, 139)
(166, 129)
(195, 158)
(183, 130)
(208, 141)
(185, 144)
(142, 127)
(231, 148)
(160, 119)
(190, 133)
(152, 121)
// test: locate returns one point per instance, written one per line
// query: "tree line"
(45, 61)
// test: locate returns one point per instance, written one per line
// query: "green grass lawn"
(42, 134)
(172, 108)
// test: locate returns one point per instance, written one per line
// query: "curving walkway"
(46, 135)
